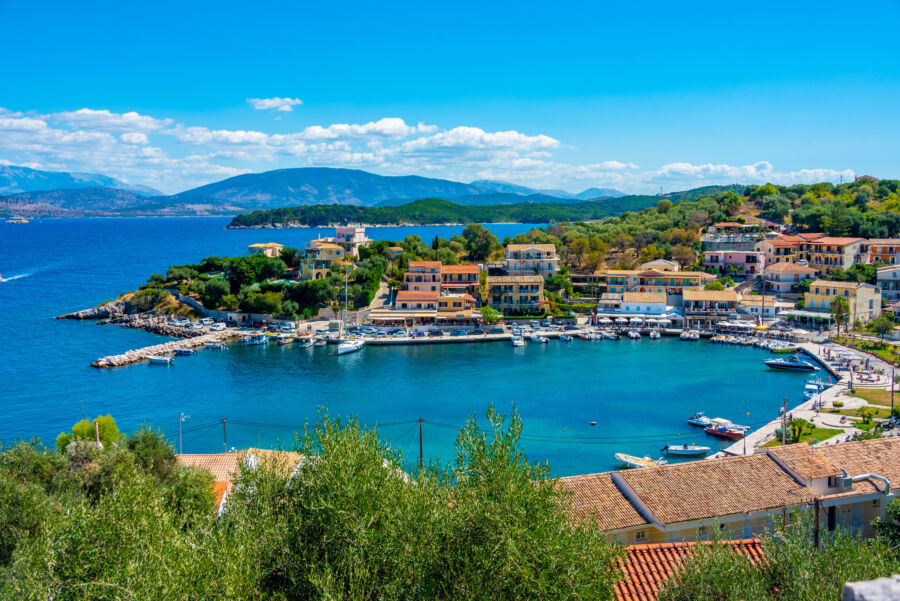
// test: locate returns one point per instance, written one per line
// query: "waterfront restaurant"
(705, 308)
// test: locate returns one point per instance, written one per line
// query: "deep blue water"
(639, 392)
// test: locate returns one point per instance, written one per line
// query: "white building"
(889, 282)
(532, 259)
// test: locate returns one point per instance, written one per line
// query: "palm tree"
(839, 310)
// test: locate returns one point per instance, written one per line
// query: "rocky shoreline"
(197, 339)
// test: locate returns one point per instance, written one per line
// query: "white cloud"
(389, 127)
(134, 138)
(109, 121)
(277, 104)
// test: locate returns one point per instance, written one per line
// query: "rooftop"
(266, 245)
(759, 299)
(596, 497)
(804, 461)
(710, 295)
(836, 240)
(460, 269)
(425, 264)
(785, 267)
(879, 456)
(884, 241)
(644, 297)
(544, 247)
(836, 284)
(515, 279)
(407, 295)
(646, 568)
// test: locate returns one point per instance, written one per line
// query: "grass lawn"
(880, 412)
(878, 397)
(811, 436)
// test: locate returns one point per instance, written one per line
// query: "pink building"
(742, 262)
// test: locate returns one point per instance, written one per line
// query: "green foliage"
(84, 430)
(212, 292)
(775, 207)
(881, 326)
(267, 303)
(490, 314)
(149, 299)
(153, 454)
(889, 526)
(181, 273)
(792, 570)
(717, 285)
(479, 241)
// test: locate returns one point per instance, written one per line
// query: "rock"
(881, 589)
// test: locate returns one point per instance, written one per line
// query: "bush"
(837, 404)
(149, 299)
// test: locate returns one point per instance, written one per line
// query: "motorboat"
(725, 429)
(566, 338)
(632, 461)
(692, 450)
(811, 390)
(610, 335)
(254, 339)
(654, 335)
(538, 338)
(698, 419)
(783, 348)
(634, 334)
(308, 343)
(284, 339)
(218, 346)
(518, 341)
(160, 359)
(350, 346)
(184, 351)
(320, 342)
(587, 336)
(690, 335)
(791, 363)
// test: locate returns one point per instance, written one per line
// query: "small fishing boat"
(632, 461)
(587, 336)
(283, 339)
(783, 348)
(254, 339)
(791, 363)
(610, 335)
(634, 334)
(725, 429)
(699, 419)
(692, 450)
(566, 338)
(518, 341)
(320, 342)
(160, 359)
(690, 335)
(811, 390)
(654, 335)
(184, 351)
(538, 338)
(350, 346)
(308, 343)
(218, 346)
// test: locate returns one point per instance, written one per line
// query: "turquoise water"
(639, 392)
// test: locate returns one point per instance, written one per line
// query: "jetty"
(167, 348)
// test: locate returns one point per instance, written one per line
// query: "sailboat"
(350, 345)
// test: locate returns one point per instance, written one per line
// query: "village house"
(881, 250)
(321, 260)
(460, 277)
(740, 262)
(763, 306)
(270, 249)
(350, 238)
(703, 308)
(781, 278)
(516, 294)
(655, 280)
(423, 275)
(531, 259)
(864, 300)
(785, 249)
(644, 303)
(889, 283)
(829, 253)
(418, 300)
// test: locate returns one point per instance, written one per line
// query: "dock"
(167, 348)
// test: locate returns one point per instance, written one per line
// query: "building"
(643, 303)
(647, 568)
(741, 496)
(423, 275)
(731, 235)
(881, 250)
(460, 277)
(762, 306)
(662, 265)
(704, 308)
(740, 262)
(418, 300)
(350, 238)
(531, 259)
(781, 278)
(395, 251)
(889, 283)
(270, 249)
(225, 468)
(785, 249)
(864, 300)
(455, 306)
(655, 280)
(321, 260)
(516, 294)
(829, 253)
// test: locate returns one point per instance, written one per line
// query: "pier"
(141, 354)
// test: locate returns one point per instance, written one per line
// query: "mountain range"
(32, 193)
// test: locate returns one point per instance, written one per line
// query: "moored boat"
(320, 342)
(610, 335)
(218, 346)
(685, 449)
(699, 419)
(254, 339)
(350, 346)
(634, 334)
(518, 341)
(160, 359)
(566, 338)
(791, 363)
(184, 351)
(725, 429)
(587, 336)
(632, 461)
(654, 335)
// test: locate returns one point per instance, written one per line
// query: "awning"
(606, 320)
(636, 320)
(651, 320)
(621, 320)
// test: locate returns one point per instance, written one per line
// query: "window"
(876, 502)
(640, 536)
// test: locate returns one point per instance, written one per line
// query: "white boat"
(566, 338)
(698, 419)
(587, 336)
(685, 449)
(654, 335)
(320, 342)
(634, 334)
(538, 338)
(350, 346)
(184, 351)
(518, 341)
(609, 335)
(216, 346)
(284, 339)
(307, 343)
(632, 461)
(160, 359)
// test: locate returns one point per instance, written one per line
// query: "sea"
(580, 402)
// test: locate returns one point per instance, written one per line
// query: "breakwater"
(166, 348)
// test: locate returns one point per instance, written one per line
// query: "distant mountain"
(322, 185)
(15, 179)
(103, 202)
(594, 193)
(695, 193)
(489, 198)
(491, 186)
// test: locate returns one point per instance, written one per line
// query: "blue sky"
(628, 95)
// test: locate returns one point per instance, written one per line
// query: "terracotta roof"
(596, 497)
(425, 264)
(676, 274)
(879, 456)
(888, 268)
(709, 489)
(546, 247)
(835, 240)
(400, 248)
(223, 466)
(644, 297)
(785, 267)
(326, 246)
(811, 236)
(730, 224)
(460, 269)
(615, 272)
(836, 284)
(418, 295)
(759, 299)
(646, 568)
(884, 241)
(783, 243)
(515, 279)
(266, 245)
(219, 490)
(710, 295)
(806, 462)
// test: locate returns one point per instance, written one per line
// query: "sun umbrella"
(621, 320)
(606, 320)
(636, 320)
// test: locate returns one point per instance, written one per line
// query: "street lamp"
(181, 419)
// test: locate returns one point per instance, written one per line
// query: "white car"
(207, 321)
(217, 327)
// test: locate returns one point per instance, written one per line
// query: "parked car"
(259, 324)
(435, 334)
(545, 323)
(217, 327)
(207, 321)
(495, 331)
(231, 323)
(195, 325)
(459, 333)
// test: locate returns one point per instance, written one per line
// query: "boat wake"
(14, 277)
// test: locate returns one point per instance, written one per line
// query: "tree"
(479, 241)
(84, 430)
(622, 242)
(889, 526)
(717, 285)
(837, 222)
(798, 426)
(267, 303)
(881, 326)
(839, 309)
(273, 268)
(214, 290)
(664, 205)
(489, 314)
(775, 207)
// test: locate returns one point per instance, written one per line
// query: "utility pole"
(745, 437)
(181, 419)
(224, 434)
(784, 423)
(892, 389)
(421, 458)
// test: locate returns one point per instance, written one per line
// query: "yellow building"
(516, 293)
(739, 497)
(270, 249)
(321, 261)
(654, 280)
(864, 300)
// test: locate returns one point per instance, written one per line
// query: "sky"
(639, 96)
